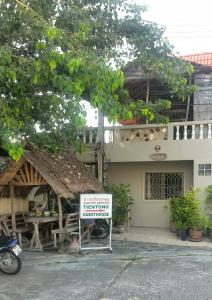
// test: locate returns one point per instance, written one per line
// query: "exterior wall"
(148, 213)
(174, 141)
(202, 182)
(131, 150)
(20, 204)
(173, 150)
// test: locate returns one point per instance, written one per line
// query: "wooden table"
(35, 241)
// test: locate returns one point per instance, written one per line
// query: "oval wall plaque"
(158, 156)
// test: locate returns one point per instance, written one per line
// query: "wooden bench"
(87, 228)
(3, 230)
(71, 227)
(21, 226)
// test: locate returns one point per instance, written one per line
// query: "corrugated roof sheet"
(199, 58)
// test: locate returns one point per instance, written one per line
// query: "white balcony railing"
(146, 133)
(192, 131)
(89, 135)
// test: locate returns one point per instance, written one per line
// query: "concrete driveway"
(132, 271)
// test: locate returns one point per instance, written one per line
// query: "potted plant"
(179, 213)
(128, 122)
(196, 226)
(182, 229)
(195, 220)
(122, 201)
(176, 213)
(209, 229)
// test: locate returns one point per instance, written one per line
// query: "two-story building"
(161, 161)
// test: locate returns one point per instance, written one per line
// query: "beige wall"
(20, 205)
(202, 182)
(148, 213)
(174, 150)
(128, 143)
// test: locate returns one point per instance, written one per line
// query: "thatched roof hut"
(63, 172)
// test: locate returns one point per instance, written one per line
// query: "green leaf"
(15, 151)
(52, 64)
(11, 74)
(34, 79)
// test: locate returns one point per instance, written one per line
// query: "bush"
(177, 205)
(208, 209)
(208, 203)
(187, 210)
(121, 202)
(209, 225)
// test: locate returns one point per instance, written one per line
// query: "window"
(204, 170)
(160, 186)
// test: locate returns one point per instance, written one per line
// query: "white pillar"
(201, 132)
(177, 132)
(193, 132)
(90, 136)
(185, 132)
(209, 131)
(84, 137)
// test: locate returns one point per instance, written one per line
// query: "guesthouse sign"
(95, 206)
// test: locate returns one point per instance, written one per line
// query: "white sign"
(95, 206)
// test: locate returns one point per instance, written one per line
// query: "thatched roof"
(63, 172)
(133, 71)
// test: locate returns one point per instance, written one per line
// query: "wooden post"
(12, 197)
(60, 212)
(61, 235)
(147, 92)
(100, 150)
(188, 103)
(147, 96)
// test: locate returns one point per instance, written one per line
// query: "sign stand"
(95, 206)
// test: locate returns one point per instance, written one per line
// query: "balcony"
(138, 142)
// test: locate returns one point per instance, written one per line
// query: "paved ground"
(159, 236)
(133, 271)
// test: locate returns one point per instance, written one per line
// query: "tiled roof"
(199, 58)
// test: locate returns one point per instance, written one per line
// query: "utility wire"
(188, 25)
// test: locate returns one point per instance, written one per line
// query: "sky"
(188, 27)
(188, 23)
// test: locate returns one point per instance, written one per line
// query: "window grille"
(204, 170)
(161, 186)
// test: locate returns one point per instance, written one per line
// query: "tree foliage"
(122, 201)
(55, 53)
